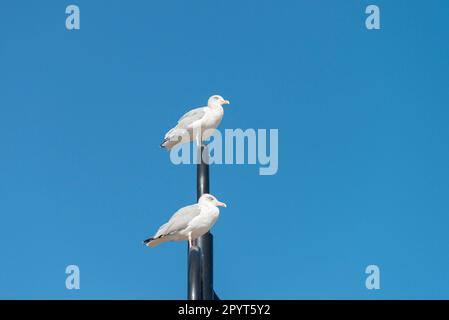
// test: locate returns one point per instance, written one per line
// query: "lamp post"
(200, 255)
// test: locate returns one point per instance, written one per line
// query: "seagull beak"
(226, 102)
(221, 204)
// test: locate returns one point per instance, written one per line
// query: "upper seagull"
(189, 223)
(197, 124)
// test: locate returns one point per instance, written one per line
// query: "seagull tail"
(152, 242)
(169, 143)
(166, 144)
(174, 137)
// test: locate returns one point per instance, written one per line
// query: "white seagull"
(197, 124)
(189, 223)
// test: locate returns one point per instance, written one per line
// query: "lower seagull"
(189, 223)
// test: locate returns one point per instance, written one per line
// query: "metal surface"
(200, 257)
(194, 290)
(202, 172)
(206, 244)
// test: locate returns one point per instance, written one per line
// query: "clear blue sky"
(363, 153)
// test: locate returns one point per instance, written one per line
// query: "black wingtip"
(163, 143)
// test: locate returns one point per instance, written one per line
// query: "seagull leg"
(197, 134)
(190, 240)
(198, 139)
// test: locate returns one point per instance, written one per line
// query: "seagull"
(189, 223)
(197, 124)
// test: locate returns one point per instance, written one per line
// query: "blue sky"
(363, 158)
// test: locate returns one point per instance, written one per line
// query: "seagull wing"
(191, 116)
(179, 221)
(174, 135)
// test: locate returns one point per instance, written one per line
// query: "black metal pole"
(200, 264)
(194, 274)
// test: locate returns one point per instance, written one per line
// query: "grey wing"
(190, 117)
(176, 133)
(179, 221)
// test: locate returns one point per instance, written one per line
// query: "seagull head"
(216, 101)
(210, 200)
